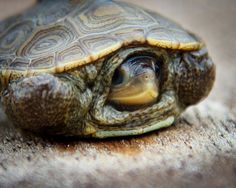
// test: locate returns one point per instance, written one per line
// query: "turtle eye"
(133, 67)
(135, 83)
(118, 77)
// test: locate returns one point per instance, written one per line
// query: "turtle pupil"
(117, 77)
(157, 69)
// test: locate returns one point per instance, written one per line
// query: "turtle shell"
(56, 36)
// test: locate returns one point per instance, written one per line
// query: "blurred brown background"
(199, 151)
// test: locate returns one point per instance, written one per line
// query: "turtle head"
(135, 83)
(194, 76)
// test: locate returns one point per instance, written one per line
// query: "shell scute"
(14, 36)
(170, 38)
(73, 53)
(19, 64)
(130, 35)
(100, 45)
(48, 40)
(42, 63)
(106, 16)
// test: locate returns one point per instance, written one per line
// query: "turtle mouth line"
(141, 92)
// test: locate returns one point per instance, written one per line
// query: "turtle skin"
(58, 59)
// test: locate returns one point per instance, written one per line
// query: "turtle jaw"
(160, 115)
(140, 91)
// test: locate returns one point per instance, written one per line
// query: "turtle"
(99, 68)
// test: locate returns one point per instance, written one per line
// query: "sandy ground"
(199, 151)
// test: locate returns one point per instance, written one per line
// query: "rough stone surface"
(198, 151)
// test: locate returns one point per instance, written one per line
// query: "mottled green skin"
(74, 102)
